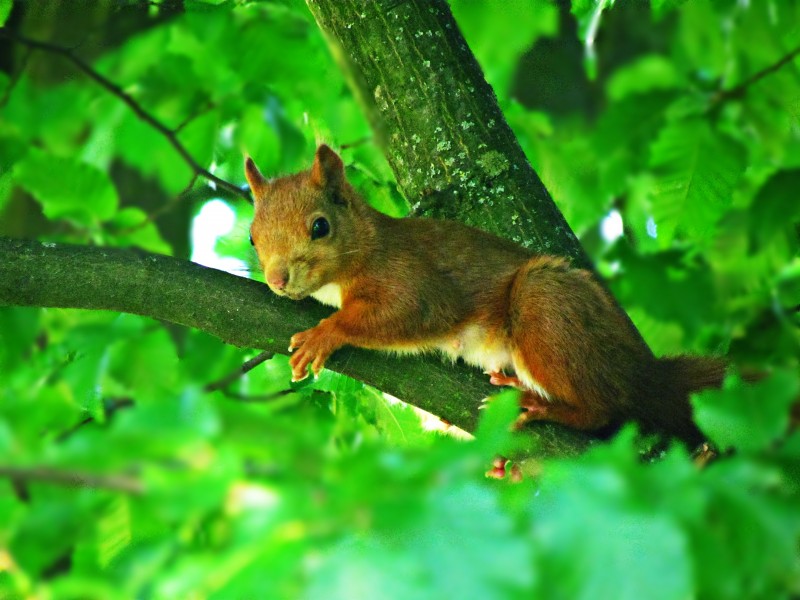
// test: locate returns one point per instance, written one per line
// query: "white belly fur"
(472, 345)
(492, 355)
(330, 294)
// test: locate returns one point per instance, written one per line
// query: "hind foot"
(500, 378)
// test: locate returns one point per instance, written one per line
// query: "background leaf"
(675, 163)
(67, 188)
(696, 170)
(749, 417)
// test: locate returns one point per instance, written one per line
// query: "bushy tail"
(679, 376)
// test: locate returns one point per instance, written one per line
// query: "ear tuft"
(328, 169)
(255, 179)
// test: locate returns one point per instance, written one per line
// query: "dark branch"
(741, 89)
(169, 134)
(254, 398)
(160, 211)
(249, 365)
(117, 483)
(240, 312)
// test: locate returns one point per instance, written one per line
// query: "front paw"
(311, 347)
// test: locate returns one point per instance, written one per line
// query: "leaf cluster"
(123, 476)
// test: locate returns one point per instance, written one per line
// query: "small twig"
(704, 455)
(255, 397)
(161, 210)
(112, 87)
(741, 89)
(207, 106)
(118, 483)
(251, 364)
(358, 142)
(110, 406)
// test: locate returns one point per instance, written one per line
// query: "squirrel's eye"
(320, 228)
(252, 243)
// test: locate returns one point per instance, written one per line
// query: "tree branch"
(740, 89)
(241, 312)
(117, 483)
(248, 366)
(169, 134)
(438, 121)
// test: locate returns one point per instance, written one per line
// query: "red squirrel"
(413, 284)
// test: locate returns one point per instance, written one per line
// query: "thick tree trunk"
(438, 121)
(452, 152)
(239, 311)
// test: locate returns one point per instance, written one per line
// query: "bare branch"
(251, 364)
(169, 134)
(240, 312)
(741, 89)
(117, 483)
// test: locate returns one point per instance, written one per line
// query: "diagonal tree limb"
(241, 312)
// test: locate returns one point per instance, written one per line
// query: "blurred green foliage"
(122, 476)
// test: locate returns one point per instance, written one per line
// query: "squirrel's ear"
(328, 169)
(254, 177)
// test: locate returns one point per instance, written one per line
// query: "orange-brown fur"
(415, 285)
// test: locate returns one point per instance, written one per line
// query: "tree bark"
(438, 121)
(241, 312)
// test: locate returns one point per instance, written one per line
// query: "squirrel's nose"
(278, 279)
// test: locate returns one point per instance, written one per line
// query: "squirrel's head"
(304, 227)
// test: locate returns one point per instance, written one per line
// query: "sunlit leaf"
(5, 10)
(696, 171)
(747, 417)
(67, 188)
(662, 7)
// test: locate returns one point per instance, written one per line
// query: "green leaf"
(696, 171)
(775, 210)
(131, 227)
(84, 375)
(367, 568)
(464, 524)
(109, 535)
(600, 532)
(144, 148)
(649, 73)
(662, 7)
(519, 25)
(67, 188)
(258, 139)
(5, 10)
(748, 542)
(397, 422)
(146, 364)
(19, 327)
(494, 433)
(747, 417)
(198, 137)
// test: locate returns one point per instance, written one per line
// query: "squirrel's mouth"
(291, 294)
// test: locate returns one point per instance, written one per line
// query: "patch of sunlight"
(215, 220)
